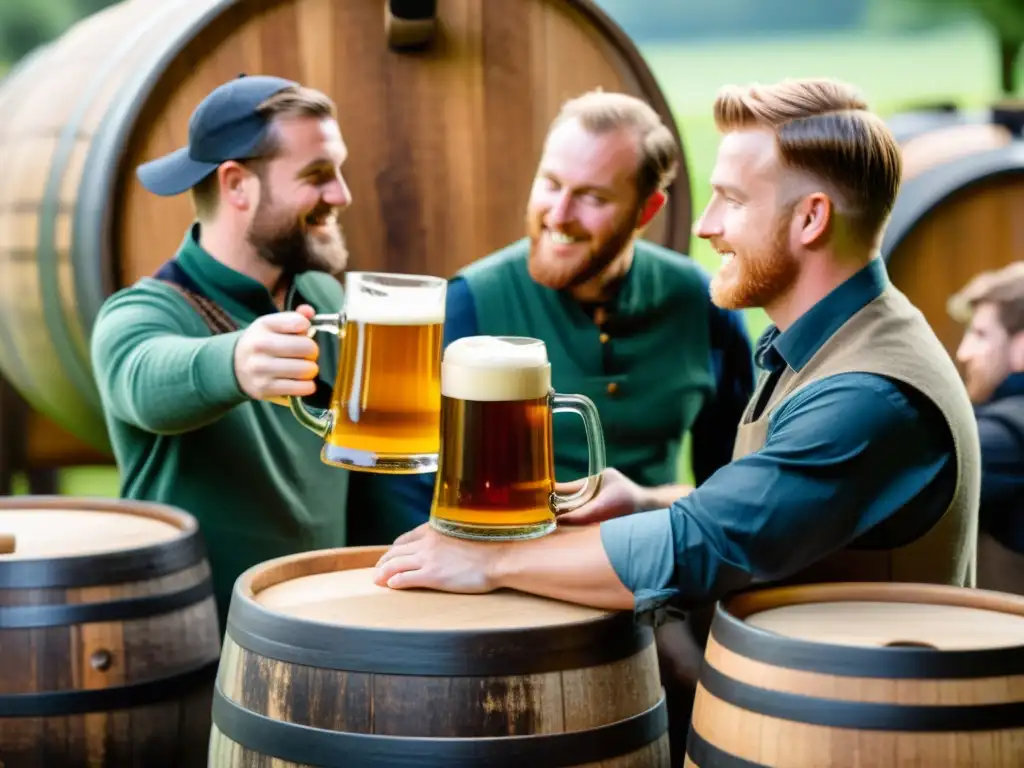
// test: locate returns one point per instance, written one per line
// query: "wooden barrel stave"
(771, 697)
(300, 692)
(464, 121)
(110, 635)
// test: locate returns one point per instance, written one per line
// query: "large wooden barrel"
(108, 635)
(957, 211)
(443, 143)
(862, 676)
(323, 668)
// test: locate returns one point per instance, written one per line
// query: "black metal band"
(902, 663)
(707, 755)
(868, 716)
(104, 568)
(414, 10)
(923, 193)
(305, 745)
(63, 614)
(445, 654)
(79, 702)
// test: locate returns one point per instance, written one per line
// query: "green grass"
(894, 73)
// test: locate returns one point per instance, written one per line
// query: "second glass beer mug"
(495, 475)
(385, 410)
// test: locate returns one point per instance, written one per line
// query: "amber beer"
(496, 477)
(384, 414)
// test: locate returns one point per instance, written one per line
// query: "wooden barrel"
(323, 668)
(444, 118)
(956, 213)
(108, 635)
(862, 675)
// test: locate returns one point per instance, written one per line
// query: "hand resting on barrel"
(423, 557)
(617, 496)
(274, 358)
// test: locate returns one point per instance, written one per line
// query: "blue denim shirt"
(852, 458)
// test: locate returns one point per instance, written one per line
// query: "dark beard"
(283, 244)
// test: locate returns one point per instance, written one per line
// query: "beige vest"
(889, 336)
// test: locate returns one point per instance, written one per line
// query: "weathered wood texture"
(335, 590)
(109, 636)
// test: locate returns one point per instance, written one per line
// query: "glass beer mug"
(496, 476)
(385, 410)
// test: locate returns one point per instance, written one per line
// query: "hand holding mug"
(274, 358)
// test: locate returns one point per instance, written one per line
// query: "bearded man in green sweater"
(188, 361)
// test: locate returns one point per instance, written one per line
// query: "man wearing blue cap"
(188, 361)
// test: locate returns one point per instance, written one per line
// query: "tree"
(1006, 20)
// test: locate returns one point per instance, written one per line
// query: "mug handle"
(585, 408)
(318, 420)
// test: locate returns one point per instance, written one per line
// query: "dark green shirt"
(185, 434)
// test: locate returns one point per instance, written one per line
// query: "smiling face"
(295, 225)
(583, 209)
(988, 353)
(748, 222)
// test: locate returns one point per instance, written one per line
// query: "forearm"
(570, 565)
(170, 384)
(663, 496)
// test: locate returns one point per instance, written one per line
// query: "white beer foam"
(491, 369)
(402, 306)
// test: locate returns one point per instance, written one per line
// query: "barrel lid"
(350, 598)
(894, 624)
(57, 532)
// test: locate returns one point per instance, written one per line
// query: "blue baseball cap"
(225, 126)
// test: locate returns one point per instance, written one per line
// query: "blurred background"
(904, 54)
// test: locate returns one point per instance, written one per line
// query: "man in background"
(189, 361)
(991, 355)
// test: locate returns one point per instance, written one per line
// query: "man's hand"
(427, 559)
(274, 358)
(618, 496)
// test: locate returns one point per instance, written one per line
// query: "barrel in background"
(958, 211)
(443, 142)
(862, 675)
(109, 635)
(321, 667)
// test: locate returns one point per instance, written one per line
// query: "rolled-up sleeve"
(841, 457)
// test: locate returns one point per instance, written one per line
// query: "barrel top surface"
(56, 532)
(878, 624)
(350, 598)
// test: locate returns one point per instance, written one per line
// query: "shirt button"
(604, 338)
(612, 388)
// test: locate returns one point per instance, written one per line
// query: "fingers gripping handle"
(585, 408)
(318, 420)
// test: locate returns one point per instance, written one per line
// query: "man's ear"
(236, 185)
(815, 213)
(654, 204)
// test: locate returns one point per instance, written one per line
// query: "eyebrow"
(584, 187)
(727, 189)
(315, 165)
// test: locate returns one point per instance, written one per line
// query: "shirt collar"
(1012, 386)
(798, 343)
(240, 295)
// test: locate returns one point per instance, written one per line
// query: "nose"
(964, 352)
(561, 209)
(707, 225)
(337, 194)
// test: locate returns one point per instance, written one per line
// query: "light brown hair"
(1002, 287)
(294, 101)
(823, 128)
(600, 111)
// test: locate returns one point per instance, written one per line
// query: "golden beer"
(385, 408)
(496, 475)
